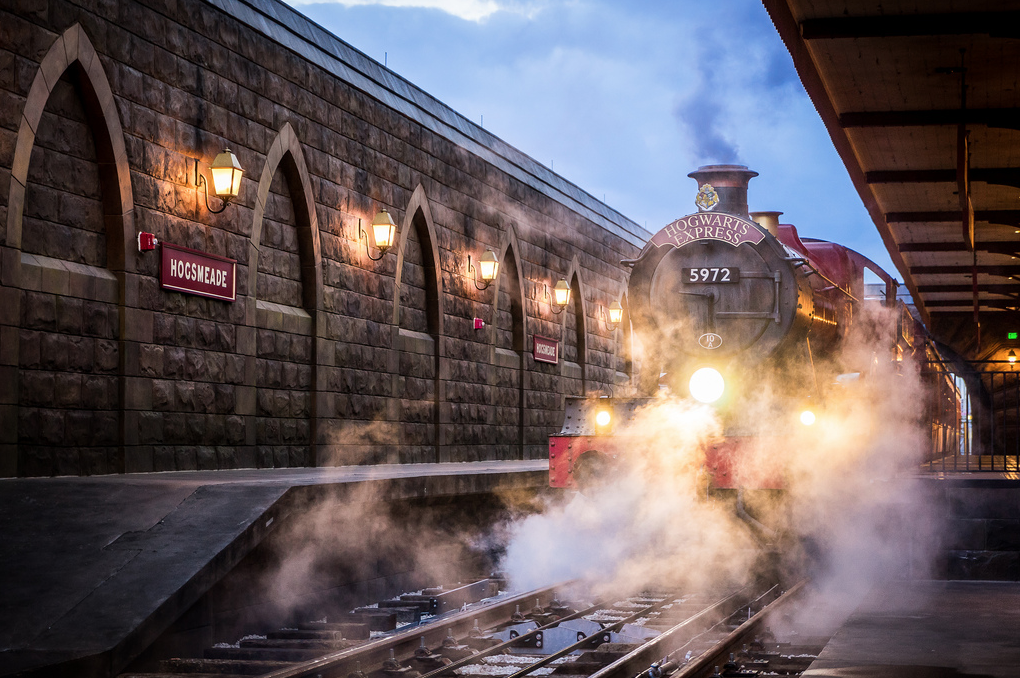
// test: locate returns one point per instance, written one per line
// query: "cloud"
(624, 99)
(468, 10)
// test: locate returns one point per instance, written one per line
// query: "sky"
(624, 98)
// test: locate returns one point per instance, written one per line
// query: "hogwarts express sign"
(186, 270)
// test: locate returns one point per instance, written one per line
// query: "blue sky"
(625, 98)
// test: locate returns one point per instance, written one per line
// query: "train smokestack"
(723, 188)
(767, 220)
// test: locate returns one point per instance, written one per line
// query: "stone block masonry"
(333, 353)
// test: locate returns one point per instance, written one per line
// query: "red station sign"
(183, 269)
(546, 350)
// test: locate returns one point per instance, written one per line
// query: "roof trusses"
(895, 84)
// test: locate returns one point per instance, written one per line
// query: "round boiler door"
(713, 300)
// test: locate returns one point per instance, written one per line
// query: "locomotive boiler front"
(714, 289)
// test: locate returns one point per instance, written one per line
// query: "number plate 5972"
(713, 274)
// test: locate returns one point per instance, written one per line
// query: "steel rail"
(704, 662)
(640, 658)
(507, 644)
(406, 641)
(595, 639)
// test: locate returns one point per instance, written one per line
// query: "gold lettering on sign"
(726, 228)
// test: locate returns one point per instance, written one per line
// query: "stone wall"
(108, 114)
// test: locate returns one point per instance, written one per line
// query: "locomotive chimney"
(767, 220)
(730, 188)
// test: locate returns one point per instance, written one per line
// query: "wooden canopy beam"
(996, 24)
(951, 216)
(1001, 176)
(1007, 270)
(993, 246)
(1004, 118)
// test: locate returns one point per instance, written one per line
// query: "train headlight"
(707, 385)
(807, 417)
(602, 418)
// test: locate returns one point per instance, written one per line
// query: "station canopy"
(921, 101)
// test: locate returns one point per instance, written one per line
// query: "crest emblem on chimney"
(707, 198)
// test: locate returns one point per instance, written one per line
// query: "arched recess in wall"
(69, 220)
(509, 329)
(284, 303)
(575, 336)
(418, 329)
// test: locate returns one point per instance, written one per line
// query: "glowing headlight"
(807, 417)
(602, 418)
(706, 385)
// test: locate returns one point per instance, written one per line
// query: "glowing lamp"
(561, 293)
(1011, 356)
(602, 418)
(615, 314)
(384, 230)
(807, 417)
(488, 268)
(706, 385)
(226, 175)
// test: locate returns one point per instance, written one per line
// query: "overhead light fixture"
(226, 174)
(1011, 356)
(488, 268)
(383, 231)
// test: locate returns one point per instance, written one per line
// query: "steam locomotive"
(723, 301)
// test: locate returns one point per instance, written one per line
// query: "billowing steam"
(650, 521)
(847, 518)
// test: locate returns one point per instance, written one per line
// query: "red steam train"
(722, 301)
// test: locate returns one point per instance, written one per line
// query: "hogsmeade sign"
(708, 226)
(186, 270)
(546, 350)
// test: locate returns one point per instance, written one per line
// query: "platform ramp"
(94, 569)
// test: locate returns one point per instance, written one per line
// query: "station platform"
(928, 629)
(93, 569)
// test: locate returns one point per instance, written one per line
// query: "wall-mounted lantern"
(383, 230)
(560, 296)
(615, 315)
(226, 174)
(488, 268)
(1011, 356)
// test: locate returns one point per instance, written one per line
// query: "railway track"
(474, 635)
